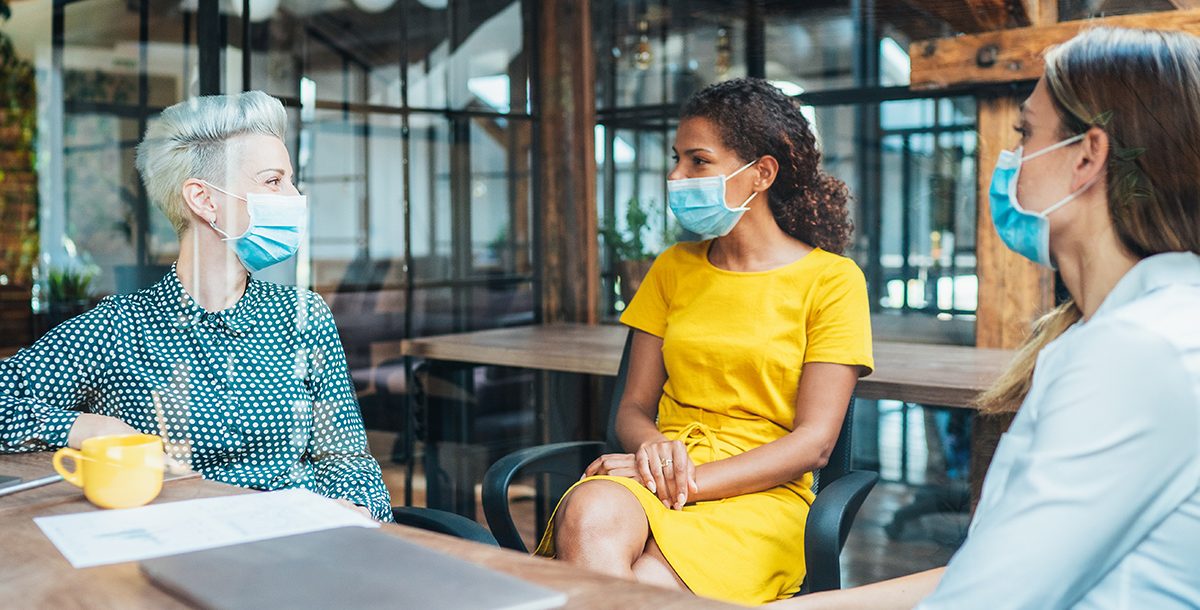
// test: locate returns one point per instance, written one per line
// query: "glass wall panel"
(500, 196)
(488, 65)
(429, 179)
(909, 163)
(811, 49)
(336, 180)
(427, 54)
(96, 218)
(928, 229)
(410, 128)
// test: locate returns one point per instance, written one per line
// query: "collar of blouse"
(1150, 274)
(236, 321)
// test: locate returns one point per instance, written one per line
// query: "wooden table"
(33, 574)
(942, 375)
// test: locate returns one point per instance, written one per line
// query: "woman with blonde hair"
(245, 380)
(1092, 499)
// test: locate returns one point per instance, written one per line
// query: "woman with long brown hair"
(1092, 499)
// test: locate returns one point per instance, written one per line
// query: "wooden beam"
(970, 15)
(520, 159)
(1015, 55)
(1040, 12)
(569, 253)
(1013, 292)
(583, 164)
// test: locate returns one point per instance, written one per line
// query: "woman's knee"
(600, 509)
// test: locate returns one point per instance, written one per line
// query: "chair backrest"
(610, 435)
(839, 460)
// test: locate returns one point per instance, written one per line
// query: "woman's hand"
(356, 508)
(89, 425)
(614, 465)
(668, 471)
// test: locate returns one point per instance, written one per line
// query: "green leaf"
(69, 285)
(1129, 154)
(629, 244)
(1103, 118)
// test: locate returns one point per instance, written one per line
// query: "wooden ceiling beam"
(1015, 55)
(969, 16)
(1041, 12)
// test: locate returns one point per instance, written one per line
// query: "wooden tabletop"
(34, 574)
(945, 375)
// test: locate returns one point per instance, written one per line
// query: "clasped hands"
(663, 467)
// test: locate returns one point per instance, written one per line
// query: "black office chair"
(839, 490)
(443, 522)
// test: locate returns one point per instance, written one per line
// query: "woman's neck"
(1092, 265)
(209, 271)
(756, 243)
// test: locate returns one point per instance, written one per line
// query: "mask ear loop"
(745, 204)
(1053, 147)
(212, 223)
(224, 236)
(743, 207)
(1018, 152)
(1069, 198)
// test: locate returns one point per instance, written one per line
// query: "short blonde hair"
(190, 140)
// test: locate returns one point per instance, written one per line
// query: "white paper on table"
(132, 534)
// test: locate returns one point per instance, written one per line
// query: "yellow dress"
(734, 344)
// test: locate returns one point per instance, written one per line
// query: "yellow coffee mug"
(119, 471)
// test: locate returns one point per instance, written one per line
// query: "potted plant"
(69, 291)
(631, 256)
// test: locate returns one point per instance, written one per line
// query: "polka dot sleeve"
(256, 395)
(43, 388)
(338, 445)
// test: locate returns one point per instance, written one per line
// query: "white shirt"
(1092, 499)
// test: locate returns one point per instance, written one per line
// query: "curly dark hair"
(755, 119)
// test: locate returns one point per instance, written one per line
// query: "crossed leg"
(601, 526)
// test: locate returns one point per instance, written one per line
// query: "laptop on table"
(348, 567)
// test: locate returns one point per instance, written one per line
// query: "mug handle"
(74, 477)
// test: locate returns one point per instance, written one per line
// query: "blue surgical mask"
(1024, 232)
(699, 204)
(277, 222)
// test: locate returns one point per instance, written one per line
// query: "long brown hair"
(1142, 87)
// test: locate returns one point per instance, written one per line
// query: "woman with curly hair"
(746, 349)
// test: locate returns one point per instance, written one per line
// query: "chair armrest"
(829, 521)
(380, 372)
(443, 522)
(565, 459)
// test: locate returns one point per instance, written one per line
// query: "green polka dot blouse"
(257, 395)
